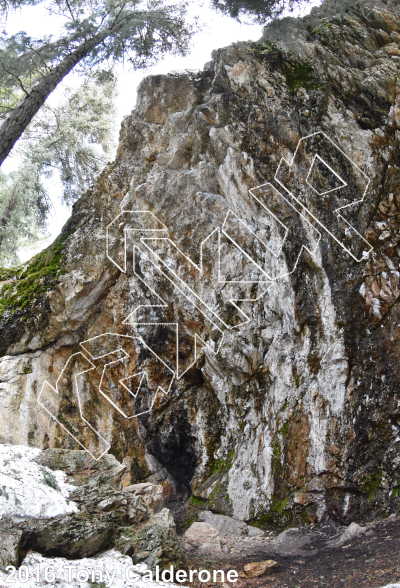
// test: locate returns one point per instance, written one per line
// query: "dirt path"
(311, 557)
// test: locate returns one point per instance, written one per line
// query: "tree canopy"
(68, 143)
(94, 32)
(259, 11)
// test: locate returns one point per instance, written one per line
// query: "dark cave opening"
(172, 443)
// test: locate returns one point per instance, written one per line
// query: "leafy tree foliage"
(69, 143)
(95, 31)
(259, 11)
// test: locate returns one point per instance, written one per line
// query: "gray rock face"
(104, 516)
(225, 525)
(289, 415)
(155, 544)
(68, 536)
(10, 543)
(151, 494)
(77, 464)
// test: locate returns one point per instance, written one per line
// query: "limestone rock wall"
(295, 418)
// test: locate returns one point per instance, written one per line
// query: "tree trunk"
(21, 116)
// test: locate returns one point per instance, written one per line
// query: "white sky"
(217, 31)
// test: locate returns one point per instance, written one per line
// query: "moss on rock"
(299, 75)
(372, 484)
(24, 283)
(156, 543)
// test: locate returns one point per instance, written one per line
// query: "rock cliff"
(210, 255)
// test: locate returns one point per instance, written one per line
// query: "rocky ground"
(331, 556)
(60, 508)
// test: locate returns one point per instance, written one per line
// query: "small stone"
(108, 504)
(350, 533)
(259, 568)
(202, 536)
(383, 37)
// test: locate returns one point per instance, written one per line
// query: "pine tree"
(70, 141)
(95, 31)
(259, 11)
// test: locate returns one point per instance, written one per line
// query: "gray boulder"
(104, 515)
(151, 494)
(82, 468)
(155, 543)
(229, 526)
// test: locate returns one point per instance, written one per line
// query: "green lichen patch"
(7, 273)
(284, 430)
(196, 501)
(188, 522)
(24, 283)
(276, 457)
(299, 75)
(371, 485)
(322, 29)
(127, 533)
(50, 480)
(280, 505)
(222, 465)
(280, 515)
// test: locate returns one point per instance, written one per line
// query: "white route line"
(197, 297)
(154, 258)
(337, 210)
(56, 391)
(133, 338)
(344, 184)
(129, 230)
(163, 304)
(286, 229)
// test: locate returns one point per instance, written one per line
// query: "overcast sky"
(217, 31)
